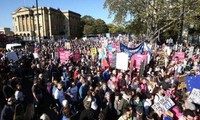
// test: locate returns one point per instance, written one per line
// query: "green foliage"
(101, 26)
(90, 25)
(153, 16)
(116, 29)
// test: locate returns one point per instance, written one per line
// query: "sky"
(93, 8)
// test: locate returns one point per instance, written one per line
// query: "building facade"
(53, 23)
(6, 31)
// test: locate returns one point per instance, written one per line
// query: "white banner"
(122, 61)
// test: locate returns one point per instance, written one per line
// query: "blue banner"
(139, 49)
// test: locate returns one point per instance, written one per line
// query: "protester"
(84, 82)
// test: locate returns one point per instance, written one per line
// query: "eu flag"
(192, 82)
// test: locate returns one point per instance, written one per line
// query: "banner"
(139, 49)
(163, 105)
(122, 61)
(192, 82)
(76, 56)
(12, 56)
(194, 96)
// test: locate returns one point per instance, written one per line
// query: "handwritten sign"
(194, 96)
(163, 105)
(93, 51)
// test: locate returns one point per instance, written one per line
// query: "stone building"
(53, 23)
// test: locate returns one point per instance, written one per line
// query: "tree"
(88, 25)
(101, 26)
(158, 15)
(116, 29)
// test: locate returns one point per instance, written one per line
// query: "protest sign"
(110, 48)
(180, 55)
(191, 49)
(35, 55)
(194, 96)
(12, 56)
(76, 56)
(108, 35)
(122, 61)
(163, 105)
(161, 60)
(138, 59)
(64, 55)
(67, 45)
(114, 58)
(93, 51)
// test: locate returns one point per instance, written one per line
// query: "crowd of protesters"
(84, 90)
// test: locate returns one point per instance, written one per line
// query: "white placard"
(194, 96)
(122, 61)
(12, 56)
(163, 105)
(35, 55)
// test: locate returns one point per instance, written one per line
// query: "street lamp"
(38, 23)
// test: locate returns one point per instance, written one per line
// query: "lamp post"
(39, 40)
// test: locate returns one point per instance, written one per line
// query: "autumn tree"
(158, 15)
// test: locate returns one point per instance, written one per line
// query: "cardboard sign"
(76, 56)
(161, 61)
(181, 78)
(122, 61)
(12, 56)
(182, 86)
(163, 105)
(194, 96)
(93, 51)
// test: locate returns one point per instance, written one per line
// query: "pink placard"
(180, 55)
(77, 56)
(64, 55)
(137, 59)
